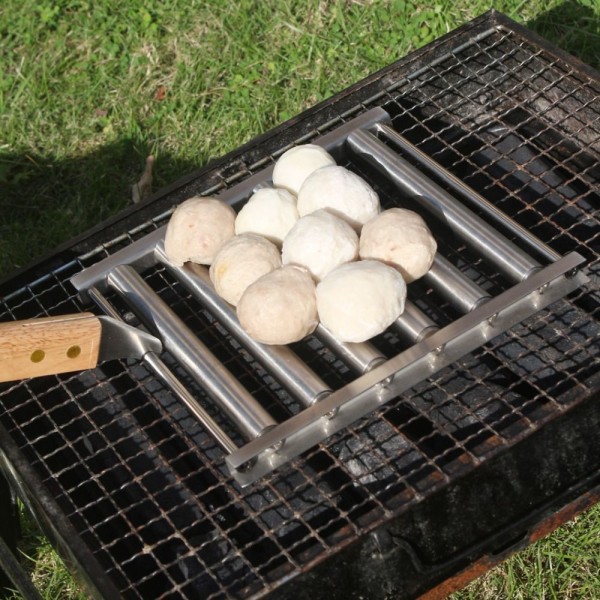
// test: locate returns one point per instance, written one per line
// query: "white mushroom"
(400, 238)
(269, 212)
(320, 241)
(341, 191)
(197, 229)
(359, 300)
(280, 307)
(295, 165)
(240, 262)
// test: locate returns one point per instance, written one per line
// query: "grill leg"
(12, 575)
(8, 530)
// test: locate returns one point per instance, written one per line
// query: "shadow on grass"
(45, 201)
(574, 28)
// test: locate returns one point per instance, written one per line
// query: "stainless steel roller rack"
(535, 277)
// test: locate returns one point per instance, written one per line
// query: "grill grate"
(146, 488)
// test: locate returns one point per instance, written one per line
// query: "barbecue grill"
(398, 467)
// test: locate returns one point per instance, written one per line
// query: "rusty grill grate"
(146, 488)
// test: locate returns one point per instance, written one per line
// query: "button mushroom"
(357, 301)
(280, 307)
(401, 239)
(240, 262)
(197, 229)
(343, 192)
(320, 241)
(295, 165)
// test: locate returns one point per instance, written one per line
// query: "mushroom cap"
(240, 262)
(400, 238)
(357, 301)
(197, 229)
(269, 212)
(343, 192)
(296, 164)
(280, 307)
(320, 242)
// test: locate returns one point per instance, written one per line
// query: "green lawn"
(89, 89)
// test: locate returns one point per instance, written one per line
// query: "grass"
(563, 566)
(42, 563)
(89, 89)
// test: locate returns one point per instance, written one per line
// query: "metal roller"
(467, 192)
(285, 366)
(162, 371)
(501, 252)
(361, 357)
(454, 286)
(245, 412)
(414, 324)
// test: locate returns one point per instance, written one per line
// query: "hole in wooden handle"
(74, 351)
(37, 356)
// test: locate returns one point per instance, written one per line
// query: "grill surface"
(144, 488)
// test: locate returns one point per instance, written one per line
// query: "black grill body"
(440, 483)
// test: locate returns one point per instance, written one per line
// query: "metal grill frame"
(384, 541)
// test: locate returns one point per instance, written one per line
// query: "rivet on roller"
(381, 389)
(572, 273)
(245, 467)
(434, 355)
(277, 446)
(331, 414)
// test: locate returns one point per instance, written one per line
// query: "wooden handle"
(49, 346)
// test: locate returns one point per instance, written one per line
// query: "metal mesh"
(146, 488)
